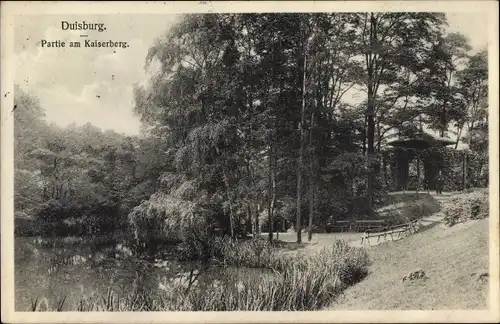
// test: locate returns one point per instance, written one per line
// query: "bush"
(23, 224)
(166, 218)
(465, 207)
(68, 217)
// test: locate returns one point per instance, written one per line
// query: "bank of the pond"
(300, 282)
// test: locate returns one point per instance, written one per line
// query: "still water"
(78, 271)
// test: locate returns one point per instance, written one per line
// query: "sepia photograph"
(225, 158)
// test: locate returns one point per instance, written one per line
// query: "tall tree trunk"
(300, 164)
(249, 225)
(442, 132)
(370, 149)
(273, 200)
(311, 208)
(370, 113)
(250, 199)
(257, 223)
(364, 135)
(459, 135)
(270, 193)
(231, 216)
(311, 179)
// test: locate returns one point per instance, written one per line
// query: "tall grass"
(43, 304)
(254, 253)
(304, 282)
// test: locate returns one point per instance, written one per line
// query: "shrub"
(69, 217)
(466, 206)
(23, 224)
(167, 217)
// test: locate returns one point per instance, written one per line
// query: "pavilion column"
(424, 150)
(384, 167)
(464, 170)
(395, 171)
(407, 172)
(403, 170)
(426, 177)
(432, 171)
(425, 162)
(418, 171)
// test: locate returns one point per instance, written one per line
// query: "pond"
(76, 271)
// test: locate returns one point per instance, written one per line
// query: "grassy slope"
(404, 207)
(447, 255)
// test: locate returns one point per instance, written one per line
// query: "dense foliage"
(257, 122)
(474, 205)
(76, 180)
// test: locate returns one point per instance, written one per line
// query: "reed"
(304, 282)
(254, 253)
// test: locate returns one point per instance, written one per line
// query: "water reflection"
(85, 270)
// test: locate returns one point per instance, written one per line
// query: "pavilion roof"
(422, 140)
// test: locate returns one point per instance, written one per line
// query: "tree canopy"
(251, 124)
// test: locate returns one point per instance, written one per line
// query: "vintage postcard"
(287, 161)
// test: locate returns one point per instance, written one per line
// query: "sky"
(95, 85)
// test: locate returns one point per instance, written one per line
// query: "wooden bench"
(342, 225)
(409, 227)
(414, 226)
(399, 229)
(338, 228)
(363, 225)
(374, 232)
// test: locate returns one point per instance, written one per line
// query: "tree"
(332, 72)
(473, 87)
(388, 43)
(194, 107)
(29, 126)
(449, 54)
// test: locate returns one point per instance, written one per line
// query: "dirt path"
(424, 223)
(322, 240)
